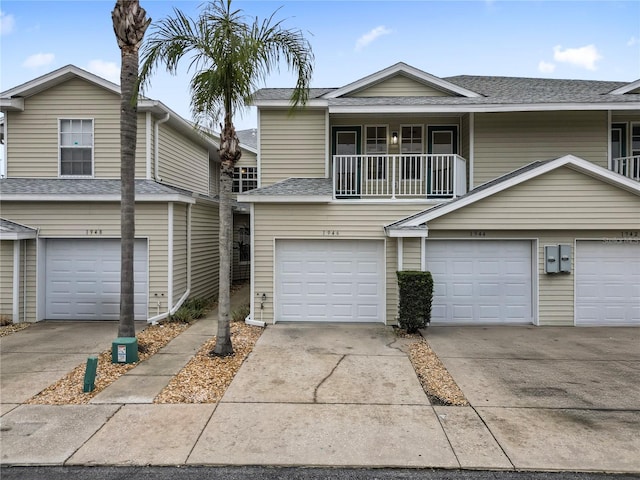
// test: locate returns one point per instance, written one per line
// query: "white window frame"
(240, 180)
(60, 146)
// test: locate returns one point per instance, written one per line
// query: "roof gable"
(56, 77)
(419, 77)
(633, 87)
(528, 172)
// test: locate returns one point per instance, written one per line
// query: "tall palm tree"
(129, 25)
(229, 58)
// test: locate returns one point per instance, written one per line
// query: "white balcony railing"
(404, 176)
(627, 166)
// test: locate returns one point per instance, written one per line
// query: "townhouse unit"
(520, 195)
(60, 204)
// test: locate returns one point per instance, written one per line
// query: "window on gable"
(244, 178)
(376, 150)
(76, 147)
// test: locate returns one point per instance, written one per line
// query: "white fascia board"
(313, 103)
(285, 198)
(626, 88)
(408, 70)
(17, 236)
(490, 108)
(12, 104)
(58, 76)
(406, 233)
(568, 160)
(24, 197)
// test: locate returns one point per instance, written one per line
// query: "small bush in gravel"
(5, 320)
(240, 313)
(191, 310)
(416, 294)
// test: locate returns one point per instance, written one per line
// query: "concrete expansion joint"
(315, 390)
(492, 435)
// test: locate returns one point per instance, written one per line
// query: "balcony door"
(346, 148)
(442, 144)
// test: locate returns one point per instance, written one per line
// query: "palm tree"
(229, 58)
(129, 25)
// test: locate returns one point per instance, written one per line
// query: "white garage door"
(481, 281)
(607, 283)
(83, 279)
(329, 281)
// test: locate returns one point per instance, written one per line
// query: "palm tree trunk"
(229, 154)
(129, 25)
(128, 135)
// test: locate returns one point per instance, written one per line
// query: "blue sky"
(598, 40)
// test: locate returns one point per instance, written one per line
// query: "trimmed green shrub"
(416, 295)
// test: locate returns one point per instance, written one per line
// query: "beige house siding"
(399, 86)
(248, 159)
(182, 163)
(547, 202)
(6, 278)
(179, 251)
(292, 145)
(75, 219)
(32, 135)
(365, 222)
(411, 253)
(28, 280)
(507, 141)
(205, 258)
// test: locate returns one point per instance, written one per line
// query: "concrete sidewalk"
(308, 395)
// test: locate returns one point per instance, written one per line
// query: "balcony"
(627, 166)
(399, 176)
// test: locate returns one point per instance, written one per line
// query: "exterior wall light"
(394, 138)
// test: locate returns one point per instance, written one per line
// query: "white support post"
(423, 254)
(400, 253)
(16, 281)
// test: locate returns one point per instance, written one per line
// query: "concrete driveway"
(36, 357)
(559, 398)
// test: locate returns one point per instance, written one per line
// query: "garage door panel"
(481, 281)
(82, 279)
(607, 283)
(341, 280)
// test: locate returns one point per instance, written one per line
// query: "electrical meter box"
(565, 258)
(124, 350)
(551, 260)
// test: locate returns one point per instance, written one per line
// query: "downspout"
(3, 172)
(156, 130)
(170, 257)
(252, 318)
(188, 291)
(24, 282)
(148, 145)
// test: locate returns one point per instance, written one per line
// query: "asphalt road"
(272, 473)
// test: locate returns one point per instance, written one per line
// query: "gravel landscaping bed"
(205, 378)
(68, 390)
(12, 328)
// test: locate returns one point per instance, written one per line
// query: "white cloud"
(546, 67)
(370, 36)
(633, 41)
(7, 22)
(585, 57)
(108, 70)
(39, 60)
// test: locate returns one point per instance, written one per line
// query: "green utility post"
(90, 374)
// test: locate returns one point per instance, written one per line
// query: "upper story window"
(245, 178)
(76, 147)
(376, 144)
